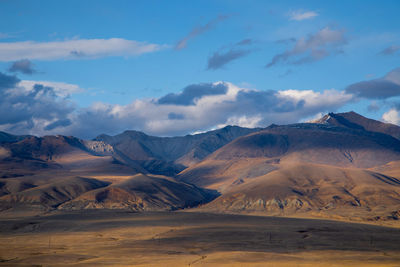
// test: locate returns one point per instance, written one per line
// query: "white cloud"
(235, 106)
(74, 49)
(41, 108)
(61, 89)
(315, 99)
(299, 15)
(33, 110)
(242, 121)
(392, 116)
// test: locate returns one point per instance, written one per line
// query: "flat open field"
(120, 238)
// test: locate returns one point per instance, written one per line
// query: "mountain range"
(341, 166)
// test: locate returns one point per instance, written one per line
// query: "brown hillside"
(142, 192)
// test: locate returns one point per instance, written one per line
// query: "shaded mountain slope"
(9, 138)
(298, 143)
(133, 151)
(45, 148)
(143, 193)
(10, 186)
(170, 155)
(316, 143)
(61, 152)
(52, 194)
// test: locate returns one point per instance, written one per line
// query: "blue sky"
(162, 47)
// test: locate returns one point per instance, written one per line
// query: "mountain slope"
(342, 166)
(170, 155)
(315, 189)
(356, 121)
(51, 194)
(143, 193)
(61, 152)
(9, 138)
(299, 143)
(315, 143)
(306, 169)
(47, 172)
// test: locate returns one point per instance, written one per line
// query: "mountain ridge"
(336, 166)
(354, 120)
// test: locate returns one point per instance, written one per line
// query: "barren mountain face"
(340, 166)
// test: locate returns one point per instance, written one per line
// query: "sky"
(169, 68)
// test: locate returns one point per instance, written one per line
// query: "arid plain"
(122, 238)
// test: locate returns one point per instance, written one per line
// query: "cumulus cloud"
(199, 30)
(30, 110)
(238, 106)
(39, 109)
(312, 48)
(74, 49)
(60, 88)
(392, 116)
(382, 88)
(224, 56)
(175, 116)
(299, 15)
(7, 81)
(390, 50)
(24, 66)
(243, 121)
(193, 92)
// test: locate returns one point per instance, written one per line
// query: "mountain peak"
(356, 121)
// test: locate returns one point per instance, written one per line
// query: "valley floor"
(121, 238)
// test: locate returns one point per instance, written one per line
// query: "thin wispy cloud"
(247, 41)
(10, 35)
(300, 15)
(4, 35)
(228, 54)
(393, 49)
(220, 59)
(74, 49)
(312, 48)
(199, 30)
(373, 107)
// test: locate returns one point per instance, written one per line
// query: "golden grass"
(192, 239)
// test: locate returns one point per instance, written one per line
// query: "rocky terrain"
(342, 166)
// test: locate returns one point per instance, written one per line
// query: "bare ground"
(121, 238)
